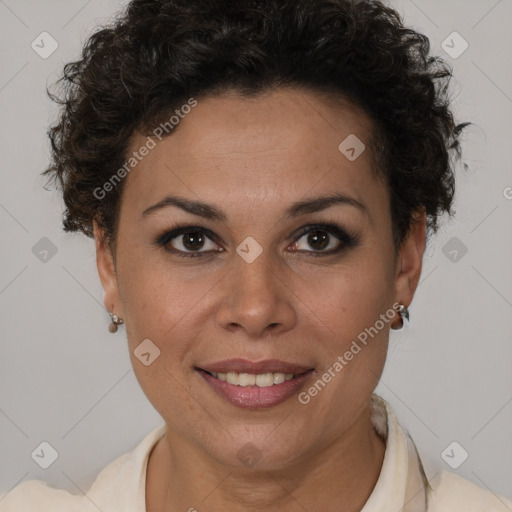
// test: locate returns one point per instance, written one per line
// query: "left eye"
(319, 240)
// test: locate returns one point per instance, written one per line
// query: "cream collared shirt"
(120, 486)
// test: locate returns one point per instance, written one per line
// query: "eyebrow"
(209, 211)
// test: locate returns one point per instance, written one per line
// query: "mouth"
(261, 380)
(255, 385)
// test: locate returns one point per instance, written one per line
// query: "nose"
(257, 299)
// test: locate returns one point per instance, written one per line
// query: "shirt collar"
(389, 492)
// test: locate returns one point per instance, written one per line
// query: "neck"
(341, 476)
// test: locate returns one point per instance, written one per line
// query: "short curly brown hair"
(158, 53)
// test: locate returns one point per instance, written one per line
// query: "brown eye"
(188, 241)
(323, 239)
(318, 239)
(193, 241)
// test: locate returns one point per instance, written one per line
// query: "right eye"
(188, 241)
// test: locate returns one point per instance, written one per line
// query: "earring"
(404, 313)
(115, 322)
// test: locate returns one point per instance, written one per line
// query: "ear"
(410, 259)
(107, 272)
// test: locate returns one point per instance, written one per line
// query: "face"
(263, 278)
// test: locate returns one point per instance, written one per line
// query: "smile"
(262, 380)
(255, 385)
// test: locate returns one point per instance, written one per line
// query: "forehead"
(278, 146)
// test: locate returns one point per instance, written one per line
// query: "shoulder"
(451, 492)
(38, 496)
(119, 486)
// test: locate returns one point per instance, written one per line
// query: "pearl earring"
(404, 314)
(115, 322)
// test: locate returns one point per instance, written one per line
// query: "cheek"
(349, 296)
(348, 315)
(157, 297)
(160, 307)
(351, 330)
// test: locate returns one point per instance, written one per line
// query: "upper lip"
(253, 367)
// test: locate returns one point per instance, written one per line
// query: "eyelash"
(347, 240)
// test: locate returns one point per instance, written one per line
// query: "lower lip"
(254, 397)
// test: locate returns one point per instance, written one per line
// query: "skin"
(253, 158)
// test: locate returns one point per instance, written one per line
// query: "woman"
(260, 178)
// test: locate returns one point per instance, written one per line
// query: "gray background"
(65, 380)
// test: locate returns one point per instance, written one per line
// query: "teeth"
(232, 378)
(246, 379)
(262, 380)
(279, 377)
